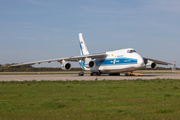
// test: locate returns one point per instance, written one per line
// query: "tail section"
(83, 47)
(83, 50)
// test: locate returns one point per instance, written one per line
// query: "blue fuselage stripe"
(112, 62)
(118, 61)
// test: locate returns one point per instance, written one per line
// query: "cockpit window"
(131, 51)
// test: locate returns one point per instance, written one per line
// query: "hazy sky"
(33, 30)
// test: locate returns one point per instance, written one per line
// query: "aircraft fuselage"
(117, 61)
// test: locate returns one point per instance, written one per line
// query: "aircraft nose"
(140, 61)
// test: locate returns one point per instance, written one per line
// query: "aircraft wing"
(71, 59)
(156, 61)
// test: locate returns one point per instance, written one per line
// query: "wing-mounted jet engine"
(65, 65)
(150, 64)
(89, 63)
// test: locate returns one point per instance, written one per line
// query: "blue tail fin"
(83, 47)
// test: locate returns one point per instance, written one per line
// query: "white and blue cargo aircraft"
(111, 62)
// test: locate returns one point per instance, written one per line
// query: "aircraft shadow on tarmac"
(146, 75)
(150, 75)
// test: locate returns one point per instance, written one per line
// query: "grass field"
(106, 99)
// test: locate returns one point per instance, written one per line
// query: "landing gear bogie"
(95, 74)
(81, 74)
(114, 74)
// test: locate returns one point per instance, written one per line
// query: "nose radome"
(140, 61)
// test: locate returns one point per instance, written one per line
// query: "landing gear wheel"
(114, 74)
(81, 74)
(95, 74)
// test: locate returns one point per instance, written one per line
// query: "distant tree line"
(29, 68)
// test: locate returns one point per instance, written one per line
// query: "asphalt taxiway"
(85, 77)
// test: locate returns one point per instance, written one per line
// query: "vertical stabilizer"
(83, 47)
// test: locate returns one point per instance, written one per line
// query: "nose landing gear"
(127, 74)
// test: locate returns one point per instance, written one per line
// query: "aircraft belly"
(117, 68)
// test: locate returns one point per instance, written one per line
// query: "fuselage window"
(131, 51)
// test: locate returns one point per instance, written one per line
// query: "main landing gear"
(114, 74)
(98, 74)
(95, 74)
(117, 74)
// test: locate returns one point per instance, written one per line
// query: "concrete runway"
(86, 77)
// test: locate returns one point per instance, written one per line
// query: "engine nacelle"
(90, 64)
(151, 65)
(66, 66)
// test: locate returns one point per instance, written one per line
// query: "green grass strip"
(105, 99)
